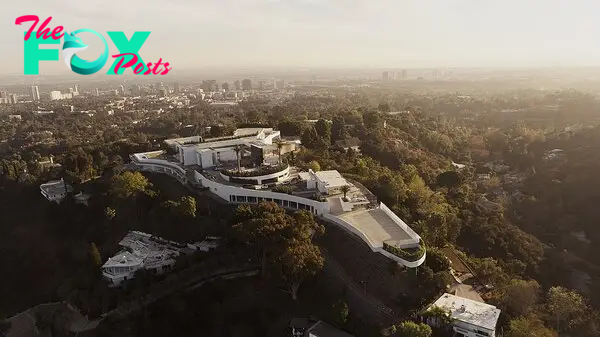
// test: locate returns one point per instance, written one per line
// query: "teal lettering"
(32, 54)
(126, 46)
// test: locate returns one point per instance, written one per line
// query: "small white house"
(140, 250)
(55, 190)
(470, 318)
(327, 182)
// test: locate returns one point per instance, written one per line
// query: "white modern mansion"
(140, 250)
(56, 190)
(470, 318)
(207, 153)
(211, 163)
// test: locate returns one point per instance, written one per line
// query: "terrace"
(357, 213)
(322, 193)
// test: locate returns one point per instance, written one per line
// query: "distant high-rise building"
(13, 99)
(210, 85)
(163, 92)
(96, 92)
(55, 95)
(76, 90)
(389, 75)
(122, 90)
(34, 91)
(280, 84)
(176, 88)
(237, 85)
(261, 85)
(246, 84)
(225, 86)
(3, 94)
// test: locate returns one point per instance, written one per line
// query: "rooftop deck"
(377, 226)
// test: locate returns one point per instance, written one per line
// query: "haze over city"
(326, 33)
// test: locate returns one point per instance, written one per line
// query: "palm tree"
(279, 144)
(345, 189)
(238, 149)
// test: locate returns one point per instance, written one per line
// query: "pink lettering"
(26, 18)
(128, 64)
(43, 32)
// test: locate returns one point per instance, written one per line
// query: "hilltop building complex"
(246, 168)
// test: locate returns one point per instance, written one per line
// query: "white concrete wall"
(274, 135)
(225, 191)
(469, 330)
(375, 248)
(206, 159)
(162, 166)
(227, 155)
(189, 156)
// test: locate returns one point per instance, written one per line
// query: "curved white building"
(318, 192)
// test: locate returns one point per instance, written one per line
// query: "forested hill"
(564, 209)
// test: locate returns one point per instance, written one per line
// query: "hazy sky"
(343, 33)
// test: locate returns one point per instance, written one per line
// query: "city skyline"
(326, 33)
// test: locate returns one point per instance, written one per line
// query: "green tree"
(371, 119)
(449, 179)
(314, 165)
(130, 184)
(186, 207)
(338, 129)
(412, 329)
(438, 316)
(339, 312)
(95, 255)
(437, 260)
(345, 189)
(519, 296)
(323, 129)
(110, 213)
(529, 326)
(238, 150)
(262, 226)
(310, 138)
(488, 271)
(279, 144)
(565, 306)
(299, 260)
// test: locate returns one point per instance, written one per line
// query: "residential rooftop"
(377, 226)
(142, 248)
(468, 311)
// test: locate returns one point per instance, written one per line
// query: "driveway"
(466, 291)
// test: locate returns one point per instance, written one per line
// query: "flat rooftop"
(55, 187)
(331, 178)
(469, 311)
(209, 144)
(141, 247)
(377, 226)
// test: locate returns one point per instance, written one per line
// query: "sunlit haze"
(327, 33)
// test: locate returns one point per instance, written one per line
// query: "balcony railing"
(262, 171)
(406, 254)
